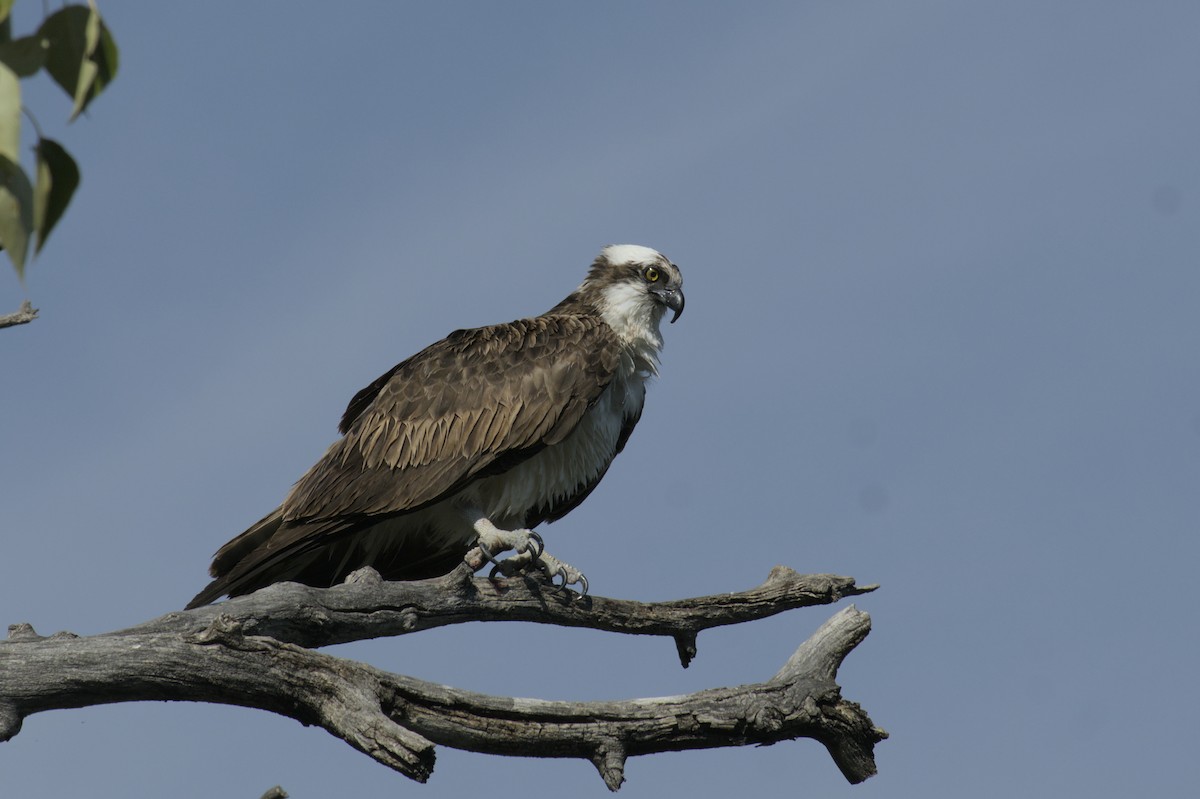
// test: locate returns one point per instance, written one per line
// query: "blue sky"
(942, 268)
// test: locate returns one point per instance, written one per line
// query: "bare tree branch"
(23, 315)
(210, 655)
(367, 607)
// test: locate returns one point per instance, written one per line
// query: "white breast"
(559, 471)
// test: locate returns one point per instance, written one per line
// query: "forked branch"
(211, 655)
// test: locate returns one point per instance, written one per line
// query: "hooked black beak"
(673, 299)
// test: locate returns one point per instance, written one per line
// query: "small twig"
(24, 315)
(33, 120)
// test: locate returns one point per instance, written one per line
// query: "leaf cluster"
(77, 51)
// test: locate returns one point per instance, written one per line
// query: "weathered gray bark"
(22, 316)
(250, 651)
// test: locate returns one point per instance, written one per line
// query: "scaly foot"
(531, 551)
(549, 565)
(492, 540)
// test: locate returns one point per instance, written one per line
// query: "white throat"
(636, 319)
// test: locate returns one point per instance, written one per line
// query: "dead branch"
(23, 315)
(368, 607)
(247, 652)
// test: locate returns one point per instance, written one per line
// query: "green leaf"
(57, 179)
(24, 56)
(10, 114)
(16, 195)
(16, 212)
(5, 8)
(82, 56)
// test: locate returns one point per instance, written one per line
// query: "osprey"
(473, 441)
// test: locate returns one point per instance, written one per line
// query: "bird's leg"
(492, 540)
(531, 551)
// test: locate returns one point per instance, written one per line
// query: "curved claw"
(534, 538)
(567, 582)
(487, 554)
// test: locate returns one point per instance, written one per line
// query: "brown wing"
(478, 402)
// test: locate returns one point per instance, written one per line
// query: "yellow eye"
(651, 274)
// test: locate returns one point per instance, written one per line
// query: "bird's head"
(632, 287)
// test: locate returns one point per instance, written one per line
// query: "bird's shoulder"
(535, 353)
